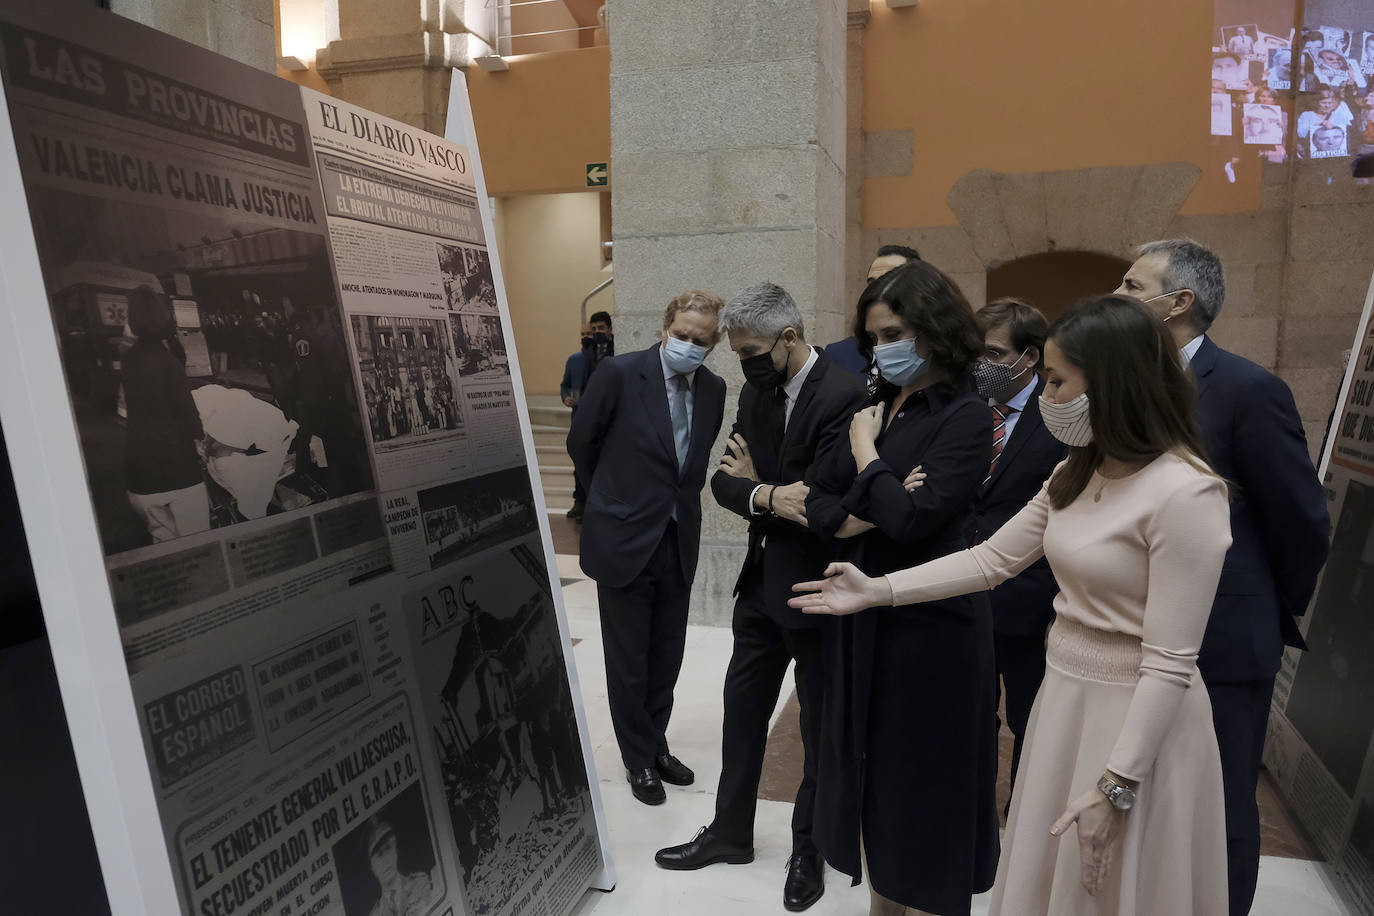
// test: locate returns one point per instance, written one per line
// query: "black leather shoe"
(646, 787)
(805, 882)
(575, 513)
(705, 849)
(672, 770)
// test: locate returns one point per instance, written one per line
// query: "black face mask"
(759, 370)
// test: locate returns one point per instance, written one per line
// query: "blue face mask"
(682, 356)
(898, 361)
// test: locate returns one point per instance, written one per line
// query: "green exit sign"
(597, 174)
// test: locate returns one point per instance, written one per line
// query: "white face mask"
(1068, 422)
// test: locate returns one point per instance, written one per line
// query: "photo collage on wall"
(1277, 93)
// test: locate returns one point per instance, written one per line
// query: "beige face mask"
(1068, 422)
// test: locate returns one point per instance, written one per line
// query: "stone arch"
(1106, 209)
(1055, 280)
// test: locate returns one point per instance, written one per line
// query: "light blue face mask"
(898, 361)
(682, 356)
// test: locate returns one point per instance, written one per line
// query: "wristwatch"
(1122, 798)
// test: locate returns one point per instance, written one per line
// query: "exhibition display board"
(1319, 744)
(276, 473)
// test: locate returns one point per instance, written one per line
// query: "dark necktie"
(773, 421)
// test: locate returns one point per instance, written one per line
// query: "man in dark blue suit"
(845, 353)
(640, 445)
(1279, 529)
(1024, 456)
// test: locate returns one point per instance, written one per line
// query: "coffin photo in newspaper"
(206, 366)
(408, 369)
(468, 283)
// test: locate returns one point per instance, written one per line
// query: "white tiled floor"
(1288, 887)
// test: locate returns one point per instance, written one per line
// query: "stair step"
(554, 456)
(543, 415)
(550, 435)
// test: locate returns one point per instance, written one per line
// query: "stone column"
(727, 168)
(396, 57)
(241, 29)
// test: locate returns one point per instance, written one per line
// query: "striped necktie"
(1000, 412)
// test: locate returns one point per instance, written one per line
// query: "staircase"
(549, 421)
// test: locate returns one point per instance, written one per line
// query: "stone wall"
(241, 29)
(727, 159)
(1297, 269)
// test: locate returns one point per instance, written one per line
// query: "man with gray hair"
(1279, 529)
(796, 401)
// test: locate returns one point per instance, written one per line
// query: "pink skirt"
(1172, 857)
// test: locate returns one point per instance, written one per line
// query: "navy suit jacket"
(1279, 524)
(621, 443)
(789, 553)
(1024, 605)
(845, 353)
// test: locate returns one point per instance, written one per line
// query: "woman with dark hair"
(162, 471)
(1135, 525)
(908, 757)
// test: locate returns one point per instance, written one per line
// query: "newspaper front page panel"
(1319, 747)
(182, 236)
(181, 232)
(430, 352)
(232, 465)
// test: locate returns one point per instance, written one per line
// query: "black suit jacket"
(621, 443)
(1024, 605)
(789, 552)
(1279, 523)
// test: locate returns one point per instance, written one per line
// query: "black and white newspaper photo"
(494, 687)
(182, 238)
(408, 369)
(468, 283)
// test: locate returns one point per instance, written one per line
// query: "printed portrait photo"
(1241, 40)
(1263, 124)
(386, 865)
(1221, 114)
(1278, 73)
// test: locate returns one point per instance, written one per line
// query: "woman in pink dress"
(1135, 525)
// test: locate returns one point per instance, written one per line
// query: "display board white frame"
(460, 129)
(60, 523)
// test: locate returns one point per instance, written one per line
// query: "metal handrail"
(599, 287)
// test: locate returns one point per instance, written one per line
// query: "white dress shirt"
(1016, 404)
(1190, 350)
(791, 390)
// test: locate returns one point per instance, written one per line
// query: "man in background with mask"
(640, 445)
(597, 346)
(1279, 529)
(845, 353)
(795, 402)
(1024, 454)
(598, 343)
